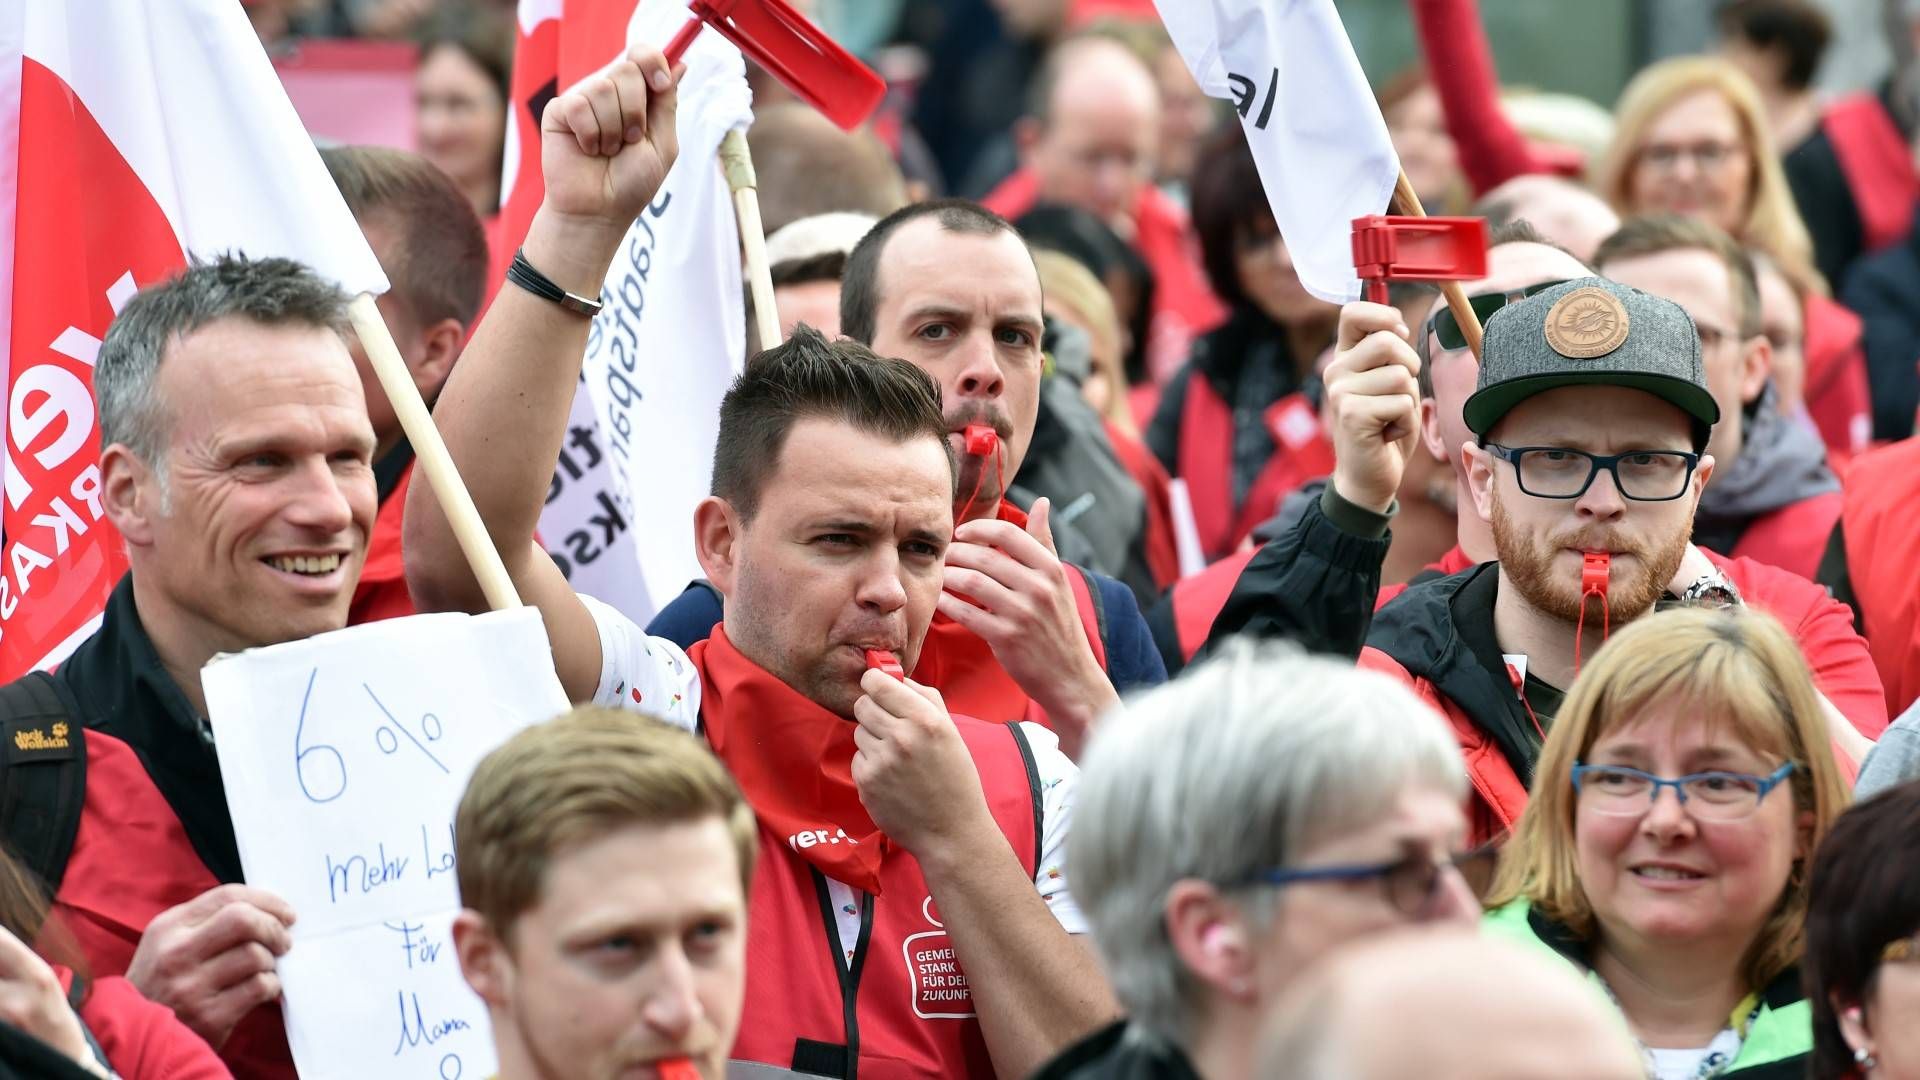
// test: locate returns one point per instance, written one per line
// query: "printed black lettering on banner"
(1245, 94)
(617, 330)
(578, 459)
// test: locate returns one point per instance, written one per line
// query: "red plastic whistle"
(1593, 572)
(884, 661)
(677, 1069)
(980, 439)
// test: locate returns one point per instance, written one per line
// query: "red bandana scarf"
(792, 759)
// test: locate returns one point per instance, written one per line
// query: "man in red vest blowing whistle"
(908, 918)
(952, 288)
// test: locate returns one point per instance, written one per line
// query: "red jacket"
(1183, 305)
(1163, 556)
(131, 861)
(1301, 453)
(1415, 640)
(382, 592)
(1883, 562)
(1793, 537)
(1878, 166)
(900, 1003)
(1836, 392)
(142, 1040)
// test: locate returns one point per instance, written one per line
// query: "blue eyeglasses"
(1409, 882)
(1710, 796)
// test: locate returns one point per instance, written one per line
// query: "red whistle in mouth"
(677, 1069)
(980, 440)
(1593, 572)
(884, 661)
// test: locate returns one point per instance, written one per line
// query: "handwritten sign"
(344, 756)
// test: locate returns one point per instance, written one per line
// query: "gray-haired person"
(1238, 823)
(235, 464)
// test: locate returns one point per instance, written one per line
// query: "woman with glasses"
(1863, 942)
(1240, 421)
(1233, 825)
(1675, 807)
(1691, 139)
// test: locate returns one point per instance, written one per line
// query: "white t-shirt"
(652, 675)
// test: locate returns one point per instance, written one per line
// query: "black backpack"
(43, 774)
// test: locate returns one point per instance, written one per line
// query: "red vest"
(1793, 537)
(1883, 561)
(1878, 167)
(1301, 453)
(899, 1004)
(131, 861)
(1837, 394)
(382, 592)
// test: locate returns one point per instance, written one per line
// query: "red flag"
(116, 183)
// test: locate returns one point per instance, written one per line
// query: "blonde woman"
(1677, 802)
(1691, 138)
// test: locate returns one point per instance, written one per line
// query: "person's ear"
(1852, 1021)
(1479, 466)
(1701, 474)
(1430, 430)
(1756, 367)
(439, 348)
(484, 958)
(129, 494)
(716, 539)
(1209, 935)
(1803, 836)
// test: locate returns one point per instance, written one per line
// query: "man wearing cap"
(1588, 427)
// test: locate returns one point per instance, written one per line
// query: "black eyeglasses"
(1447, 328)
(1556, 472)
(1409, 883)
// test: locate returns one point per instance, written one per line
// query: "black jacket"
(1117, 1052)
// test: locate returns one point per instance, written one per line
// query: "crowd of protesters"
(1235, 684)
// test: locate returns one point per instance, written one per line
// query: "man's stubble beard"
(1529, 566)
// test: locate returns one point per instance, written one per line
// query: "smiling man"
(236, 465)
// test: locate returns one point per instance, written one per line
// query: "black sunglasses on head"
(1447, 328)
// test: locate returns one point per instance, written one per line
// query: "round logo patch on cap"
(1587, 322)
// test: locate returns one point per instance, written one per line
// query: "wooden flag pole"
(736, 161)
(1456, 296)
(431, 452)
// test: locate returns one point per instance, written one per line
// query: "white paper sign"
(344, 757)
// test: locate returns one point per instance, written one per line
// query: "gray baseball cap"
(1590, 331)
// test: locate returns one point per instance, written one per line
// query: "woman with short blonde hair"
(1675, 806)
(1691, 137)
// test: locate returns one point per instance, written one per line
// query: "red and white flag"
(133, 134)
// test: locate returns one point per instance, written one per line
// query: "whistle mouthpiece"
(1593, 572)
(884, 661)
(980, 440)
(677, 1069)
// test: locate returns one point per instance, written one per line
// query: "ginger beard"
(1633, 586)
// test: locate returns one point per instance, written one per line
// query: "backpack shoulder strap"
(43, 774)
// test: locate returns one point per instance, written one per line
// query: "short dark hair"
(860, 286)
(1798, 29)
(808, 377)
(270, 291)
(1229, 207)
(1864, 895)
(438, 262)
(1659, 233)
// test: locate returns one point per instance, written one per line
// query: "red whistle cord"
(1593, 583)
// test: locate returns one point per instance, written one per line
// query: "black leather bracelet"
(522, 273)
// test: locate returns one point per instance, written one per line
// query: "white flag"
(1310, 118)
(147, 132)
(672, 335)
